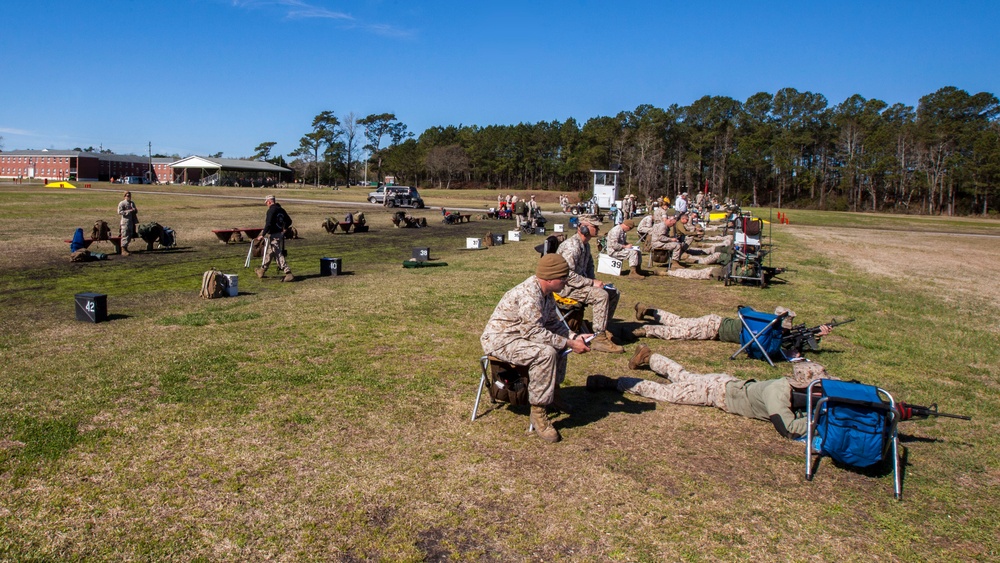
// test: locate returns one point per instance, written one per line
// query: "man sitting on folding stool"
(582, 287)
(525, 330)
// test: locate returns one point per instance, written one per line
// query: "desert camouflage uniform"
(658, 213)
(275, 247)
(685, 388)
(580, 284)
(525, 330)
(695, 274)
(617, 239)
(762, 400)
(645, 225)
(128, 213)
(659, 241)
(712, 258)
(672, 327)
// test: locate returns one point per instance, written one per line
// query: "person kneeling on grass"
(769, 400)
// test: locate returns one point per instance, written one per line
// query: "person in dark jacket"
(275, 223)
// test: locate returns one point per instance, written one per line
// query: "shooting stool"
(570, 312)
(853, 424)
(497, 373)
(761, 334)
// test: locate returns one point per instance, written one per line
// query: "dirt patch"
(958, 266)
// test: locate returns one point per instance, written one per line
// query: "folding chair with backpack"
(854, 424)
(761, 335)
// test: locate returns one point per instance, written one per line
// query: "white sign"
(609, 265)
(558, 228)
(473, 243)
(514, 236)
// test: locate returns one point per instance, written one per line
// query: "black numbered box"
(421, 254)
(91, 307)
(329, 266)
(498, 240)
(539, 230)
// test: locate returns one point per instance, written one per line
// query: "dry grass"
(329, 419)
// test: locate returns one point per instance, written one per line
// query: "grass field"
(328, 419)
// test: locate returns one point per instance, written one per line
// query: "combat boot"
(601, 382)
(260, 272)
(634, 274)
(288, 277)
(602, 343)
(125, 252)
(639, 332)
(675, 265)
(543, 428)
(640, 311)
(641, 357)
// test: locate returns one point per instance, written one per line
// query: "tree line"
(789, 149)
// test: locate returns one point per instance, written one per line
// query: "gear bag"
(213, 284)
(508, 385)
(101, 231)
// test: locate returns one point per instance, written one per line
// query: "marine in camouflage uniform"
(669, 326)
(663, 240)
(769, 400)
(581, 285)
(129, 220)
(619, 247)
(525, 330)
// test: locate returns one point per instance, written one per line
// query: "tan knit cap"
(552, 267)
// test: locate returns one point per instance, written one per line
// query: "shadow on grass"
(591, 407)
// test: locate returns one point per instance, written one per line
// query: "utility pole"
(149, 173)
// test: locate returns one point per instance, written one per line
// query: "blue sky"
(202, 76)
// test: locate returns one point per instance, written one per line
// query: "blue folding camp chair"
(761, 335)
(854, 424)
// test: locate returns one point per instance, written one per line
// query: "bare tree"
(447, 161)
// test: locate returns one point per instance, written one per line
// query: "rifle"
(908, 411)
(799, 337)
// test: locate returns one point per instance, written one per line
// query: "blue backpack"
(855, 425)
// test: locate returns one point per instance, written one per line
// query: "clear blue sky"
(202, 76)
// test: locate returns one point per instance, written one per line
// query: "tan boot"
(640, 311)
(639, 332)
(260, 272)
(602, 343)
(125, 252)
(543, 428)
(641, 357)
(288, 277)
(674, 264)
(634, 274)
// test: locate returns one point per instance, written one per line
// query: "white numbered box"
(514, 236)
(473, 243)
(609, 265)
(558, 228)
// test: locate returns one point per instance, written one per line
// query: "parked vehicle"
(399, 196)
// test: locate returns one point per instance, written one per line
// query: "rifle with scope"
(800, 338)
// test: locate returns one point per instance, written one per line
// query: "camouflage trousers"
(630, 255)
(127, 232)
(695, 274)
(546, 367)
(712, 258)
(602, 302)
(685, 388)
(675, 248)
(671, 327)
(275, 247)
